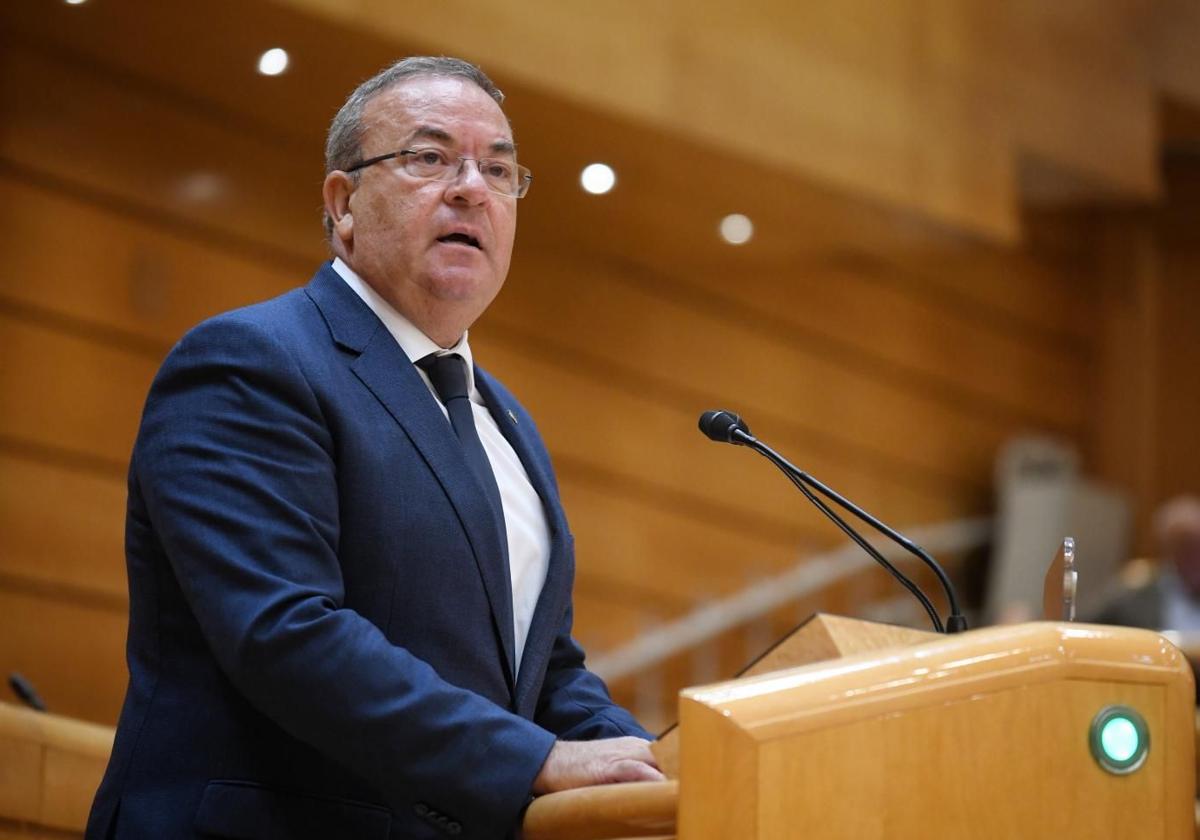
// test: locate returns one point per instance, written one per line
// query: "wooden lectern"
(50, 767)
(1040, 730)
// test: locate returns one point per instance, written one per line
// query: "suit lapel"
(547, 616)
(390, 376)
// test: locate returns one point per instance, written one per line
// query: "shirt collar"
(415, 344)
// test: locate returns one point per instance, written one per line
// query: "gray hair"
(343, 145)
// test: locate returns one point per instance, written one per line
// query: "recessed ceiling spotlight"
(598, 178)
(76, 2)
(201, 187)
(273, 62)
(736, 229)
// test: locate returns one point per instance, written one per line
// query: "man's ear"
(336, 191)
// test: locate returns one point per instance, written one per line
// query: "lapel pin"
(512, 416)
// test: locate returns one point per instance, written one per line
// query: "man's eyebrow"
(430, 132)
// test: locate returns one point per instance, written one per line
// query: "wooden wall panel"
(922, 104)
(1143, 395)
(130, 273)
(85, 396)
(126, 143)
(539, 316)
(1179, 382)
(977, 378)
(62, 528)
(666, 210)
(602, 622)
(267, 180)
(675, 553)
(925, 346)
(1176, 32)
(888, 418)
(1017, 290)
(638, 435)
(70, 391)
(1126, 382)
(73, 653)
(1073, 82)
(846, 324)
(733, 80)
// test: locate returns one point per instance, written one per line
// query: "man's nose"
(468, 184)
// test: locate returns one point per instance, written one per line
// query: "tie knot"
(447, 373)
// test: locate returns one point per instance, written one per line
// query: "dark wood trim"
(149, 88)
(63, 458)
(33, 831)
(129, 341)
(63, 593)
(162, 219)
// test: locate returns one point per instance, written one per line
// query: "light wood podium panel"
(899, 734)
(820, 638)
(982, 735)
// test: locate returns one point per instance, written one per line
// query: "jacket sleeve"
(575, 703)
(236, 464)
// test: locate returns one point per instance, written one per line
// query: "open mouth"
(461, 239)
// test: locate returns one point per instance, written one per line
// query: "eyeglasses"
(432, 164)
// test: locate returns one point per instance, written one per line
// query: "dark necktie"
(448, 374)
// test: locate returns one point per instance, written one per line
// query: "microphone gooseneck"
(728, 427)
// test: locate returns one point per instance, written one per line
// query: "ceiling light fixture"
(598, 178)
(736, 229)
(273, 62)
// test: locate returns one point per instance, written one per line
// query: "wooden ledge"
(604, 812)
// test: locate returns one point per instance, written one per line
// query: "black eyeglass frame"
(523, 183)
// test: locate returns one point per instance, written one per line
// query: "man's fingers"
(628, 746)
(580, 763)
(635, 771)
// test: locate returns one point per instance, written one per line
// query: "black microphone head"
(721, 425)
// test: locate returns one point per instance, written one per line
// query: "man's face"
(406, 235)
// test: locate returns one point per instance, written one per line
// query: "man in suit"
(349, 569)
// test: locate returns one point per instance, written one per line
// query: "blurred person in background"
(1169, 600)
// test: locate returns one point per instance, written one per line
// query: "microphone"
(725, 427)
(24, 689)
(728, 427)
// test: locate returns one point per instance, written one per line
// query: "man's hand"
(573, 764)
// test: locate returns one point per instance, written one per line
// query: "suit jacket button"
(421, 809)
(454, 828)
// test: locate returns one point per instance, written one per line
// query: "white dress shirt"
(528, 532)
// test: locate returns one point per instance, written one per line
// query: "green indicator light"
(1119, 739)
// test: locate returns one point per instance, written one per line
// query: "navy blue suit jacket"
(320, 637)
